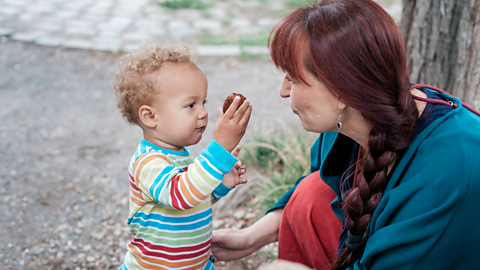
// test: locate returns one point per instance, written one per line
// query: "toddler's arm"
(169, 186)
(232, 179)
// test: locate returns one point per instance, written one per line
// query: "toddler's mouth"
(201, 129)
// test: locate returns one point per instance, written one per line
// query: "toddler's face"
(180, 105)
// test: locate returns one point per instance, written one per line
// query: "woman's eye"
(288, 78)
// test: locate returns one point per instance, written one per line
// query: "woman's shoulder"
(448, 148)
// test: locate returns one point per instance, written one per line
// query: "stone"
(94, 17)
(207, 24)
(130, 47)
(50, 41)
(20, 3)
(178, 28)
(256, 49)
(39, 8)
(218, 50)
(181, 32)
(218, 13)
(247, 4)
(108, 33)
(120, 20)
(151, 31)
(72, 6)
(155, 11)
(176, 24)
(60, 255)
(26, 36)
(66, 14)
(87, 248)
(267, 22)
(144, 23)
(239, 23)
(79, 23)
(9, 11)
(6, 31)
(79, 44)
(80, 31)
(239, 214)
(250, 30)
(111, 27)
(26, 17)
(191, 14)
(49, 27)
(136, 37)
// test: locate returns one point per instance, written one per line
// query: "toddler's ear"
(147, 116)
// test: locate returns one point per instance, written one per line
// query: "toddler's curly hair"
(133, 83)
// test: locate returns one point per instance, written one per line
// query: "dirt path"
(65, 148)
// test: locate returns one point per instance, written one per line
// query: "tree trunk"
(442, 38)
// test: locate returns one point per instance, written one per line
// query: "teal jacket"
(429, 216)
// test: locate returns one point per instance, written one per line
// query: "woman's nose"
(285, 88)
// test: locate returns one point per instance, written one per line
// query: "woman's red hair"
(356, 50)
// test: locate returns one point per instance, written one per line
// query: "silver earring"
(339, 124)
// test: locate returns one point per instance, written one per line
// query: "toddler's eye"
(190, 105)
(205, 102)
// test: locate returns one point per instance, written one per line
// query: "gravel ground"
(65, 150)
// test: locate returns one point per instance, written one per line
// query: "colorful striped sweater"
(171, 194)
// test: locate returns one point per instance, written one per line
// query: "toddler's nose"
(203, 114)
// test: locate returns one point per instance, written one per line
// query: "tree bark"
(442, 38)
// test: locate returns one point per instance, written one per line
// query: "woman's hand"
(231, 126)
(234, 177)
(284, 265)
(228, 244)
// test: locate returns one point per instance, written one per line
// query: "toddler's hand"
(231, 126)
(234, 177)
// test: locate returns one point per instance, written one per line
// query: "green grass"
(251, 56)
(179, 4)
(206, 37)
(281, 157)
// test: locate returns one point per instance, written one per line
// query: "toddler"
(162, 91)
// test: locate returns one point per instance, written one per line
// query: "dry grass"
(278, 156)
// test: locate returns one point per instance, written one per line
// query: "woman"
(402, 159)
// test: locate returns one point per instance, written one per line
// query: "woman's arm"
(229, 244)
(284, 265)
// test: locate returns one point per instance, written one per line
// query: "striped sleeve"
(174, 188)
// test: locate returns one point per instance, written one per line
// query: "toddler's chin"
(198, 139)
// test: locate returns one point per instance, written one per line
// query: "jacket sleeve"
(173, 188)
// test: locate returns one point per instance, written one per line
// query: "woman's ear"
(341, 106)
(147, 116)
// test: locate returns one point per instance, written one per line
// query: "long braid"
(385, 147)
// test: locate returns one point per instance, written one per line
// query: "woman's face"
(317, 108)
